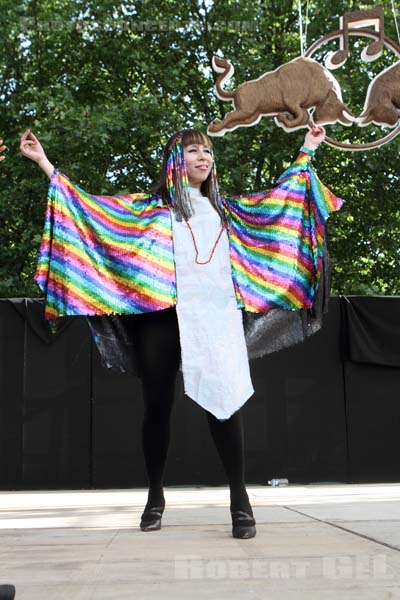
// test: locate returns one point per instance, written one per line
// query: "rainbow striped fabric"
(103, 255)
(277, 240)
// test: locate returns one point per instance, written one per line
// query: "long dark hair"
(172, 185)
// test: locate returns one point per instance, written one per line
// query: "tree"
(103, 84)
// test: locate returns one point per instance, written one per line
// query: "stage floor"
(314, 541)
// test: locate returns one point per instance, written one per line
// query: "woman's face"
(199, 160)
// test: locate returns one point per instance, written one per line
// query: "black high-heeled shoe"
(151, 518)
(243, 524)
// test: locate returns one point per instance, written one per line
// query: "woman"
(180, 259)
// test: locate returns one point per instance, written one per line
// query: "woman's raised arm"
(33, 149)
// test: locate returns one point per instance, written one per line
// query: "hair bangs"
(194, 136)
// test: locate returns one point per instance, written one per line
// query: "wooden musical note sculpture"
(382, 104)
(289, 93)
(355, 20)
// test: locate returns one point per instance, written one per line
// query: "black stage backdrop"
(327, 410)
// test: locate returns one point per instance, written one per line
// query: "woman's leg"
(156, 336)
(158, 395)
(229, 441)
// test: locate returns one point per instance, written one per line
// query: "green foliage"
(104, 83)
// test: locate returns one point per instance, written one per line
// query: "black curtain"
(324, 410)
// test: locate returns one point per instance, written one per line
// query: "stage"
(313, 541)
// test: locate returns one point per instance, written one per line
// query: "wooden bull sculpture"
(288, 93)
(382, 104)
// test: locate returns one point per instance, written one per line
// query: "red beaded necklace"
(197, 261)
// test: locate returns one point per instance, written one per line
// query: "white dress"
(214, 355)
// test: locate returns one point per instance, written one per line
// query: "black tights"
(156, 336)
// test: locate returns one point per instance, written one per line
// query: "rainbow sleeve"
(277, 240)
(103, 255)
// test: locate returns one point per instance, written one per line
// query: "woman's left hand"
(2, 149)
(314, 137)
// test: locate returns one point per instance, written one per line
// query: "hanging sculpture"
(287, 93)
(382, 105)
(302, 92)
(358, 18)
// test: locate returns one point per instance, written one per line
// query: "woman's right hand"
(33, 149)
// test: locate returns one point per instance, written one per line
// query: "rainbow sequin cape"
(103, 255)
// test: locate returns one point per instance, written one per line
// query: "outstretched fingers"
(318, 130)
(315, 136)
(28, 138)
(25, 135)
(33, 136)
(27, 143)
